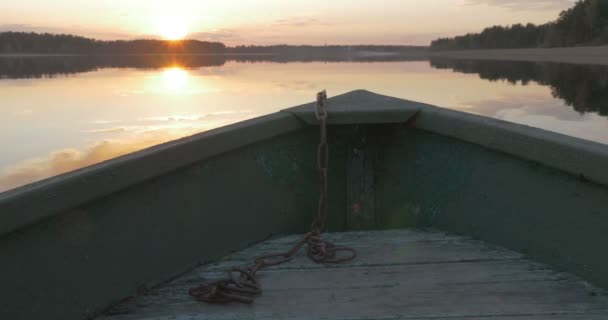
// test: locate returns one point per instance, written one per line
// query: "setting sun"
(173, 29)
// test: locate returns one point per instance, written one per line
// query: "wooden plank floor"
(401, 274)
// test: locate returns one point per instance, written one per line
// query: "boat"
(432, 213)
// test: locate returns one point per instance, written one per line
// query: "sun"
(173, 28)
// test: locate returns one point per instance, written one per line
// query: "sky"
(316, 22)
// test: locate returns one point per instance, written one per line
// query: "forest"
(586, 23)
(46, 43)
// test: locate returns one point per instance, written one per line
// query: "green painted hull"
(75, 244)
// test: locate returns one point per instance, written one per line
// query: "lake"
(63, 113)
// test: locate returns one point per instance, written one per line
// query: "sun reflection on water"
(159, 105)
(175, 79)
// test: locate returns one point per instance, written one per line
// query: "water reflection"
(53, 66)
(583, 87)
(175, 79)
(49, 67)
(55, 124)
(66, 160)
(118, 141)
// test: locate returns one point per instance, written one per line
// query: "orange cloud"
(67, 160)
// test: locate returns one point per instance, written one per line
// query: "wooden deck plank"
(359, 237)
(469, 272)
(398, 275)
(372, 253)
(586, 316)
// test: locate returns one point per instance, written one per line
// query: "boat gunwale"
(31, 203)
(582, 158)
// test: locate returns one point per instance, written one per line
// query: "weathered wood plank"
(586, 316)
(398, 275)
(468, 272)
(449, 251)
(435, 276)
(517, 298)
(367, 237)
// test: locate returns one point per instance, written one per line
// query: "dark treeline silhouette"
(583, 87)
(53, 66)
(584, 24)
(334, 50)
(497, 37)
(45, 43)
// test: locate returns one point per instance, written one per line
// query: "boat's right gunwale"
(582, 158)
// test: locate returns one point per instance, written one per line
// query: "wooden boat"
(485, 219)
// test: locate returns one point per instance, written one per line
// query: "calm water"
(59, 114)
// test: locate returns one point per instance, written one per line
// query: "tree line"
(584, 24)
(46, 43)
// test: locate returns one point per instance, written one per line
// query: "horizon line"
(220, 42)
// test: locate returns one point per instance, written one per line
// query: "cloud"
(26, 28)
(527, 105)
(301, 85)
(151, 132)
(24, 112)
(227, 115)
(525, 4)
(108, 130)
(299, 22)
(66, 160)
(105, 121)
(222, 35)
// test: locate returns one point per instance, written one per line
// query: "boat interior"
(398, 274)
(451, 216)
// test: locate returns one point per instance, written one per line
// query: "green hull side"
(78, 242)
(425, 179)
(83, 259)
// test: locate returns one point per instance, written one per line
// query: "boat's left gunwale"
(31, 203)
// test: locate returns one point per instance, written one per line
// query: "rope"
(241, 284)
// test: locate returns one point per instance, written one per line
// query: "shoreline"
(575, 55)
(42, 55)
(597, 55)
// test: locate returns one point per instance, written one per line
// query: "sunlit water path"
(57, 124)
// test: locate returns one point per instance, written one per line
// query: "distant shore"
(25, 55)
(35, 55)
(577, 55)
